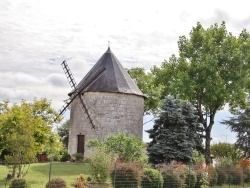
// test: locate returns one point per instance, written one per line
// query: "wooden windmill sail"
(78, 92)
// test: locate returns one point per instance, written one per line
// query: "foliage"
(126, 175)
(145, 81)
(222, 176)
(63, 132)
(125, 148)
(80, 182)
(19, 183)
(246, 175)
(213, 175)
(25, 130)
(175, 133)
(235, 175)
(240, 125)
(151, 178)
(191, 179)
(225, 154)
(198, 158)
(212, 70)
(100, 161)
(78, 157)
(174, 175)
(63, 156)
(56, 183)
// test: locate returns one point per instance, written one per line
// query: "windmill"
(77, 92)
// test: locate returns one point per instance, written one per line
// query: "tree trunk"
(208, 137)
(207, 145)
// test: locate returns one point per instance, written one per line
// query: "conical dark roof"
(115, 79)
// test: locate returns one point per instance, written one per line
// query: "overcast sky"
(37, 35)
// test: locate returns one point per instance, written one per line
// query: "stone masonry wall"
(112, 113)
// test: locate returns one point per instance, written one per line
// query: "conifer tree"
(176, 132)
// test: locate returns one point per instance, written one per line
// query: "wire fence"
(166, 176)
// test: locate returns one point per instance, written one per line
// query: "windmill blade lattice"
(78, 91)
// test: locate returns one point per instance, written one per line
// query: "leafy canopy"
(213, 68)
(145, 82)
(25, 130)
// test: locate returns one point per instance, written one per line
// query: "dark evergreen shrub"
(56, 183)
(19, 183)
(126, 175)
(151, 178)
(222, 176)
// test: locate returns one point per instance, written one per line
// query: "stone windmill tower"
(112, 104)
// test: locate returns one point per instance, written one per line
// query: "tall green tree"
(175, 134)
(213, 69)
(25, 130)
(240, 124)
(145, 82)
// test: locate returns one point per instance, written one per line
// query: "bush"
(191, 179)
(171, 178)
(19, 183)
(246, 175)
(64, 156)
(222, 176)
(100, 163)
(78, 156)
(151, 178)
(56, 183)
(235, 175)
(80, 182)
(126, 175)
(213, 175)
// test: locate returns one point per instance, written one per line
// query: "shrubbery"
(235, 175)
(19, 183)
(151, 178)
(222, 176)
(125, 175)
(56, 183)
(80, 182)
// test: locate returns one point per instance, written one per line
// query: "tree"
(145, 82)
(240, 124)
(25, 130)
(212, 70)
(63, 132)
(126, 148)
(175, 133)
(225, 153)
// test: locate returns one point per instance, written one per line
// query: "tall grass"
(38, 174)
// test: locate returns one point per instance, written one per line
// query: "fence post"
(114, 175)
(50, 166)
(243, 177)
(188, 175)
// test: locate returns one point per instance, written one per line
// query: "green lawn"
(38, 174)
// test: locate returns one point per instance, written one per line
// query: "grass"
(38, 174)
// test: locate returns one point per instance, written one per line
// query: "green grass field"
(38, 174)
